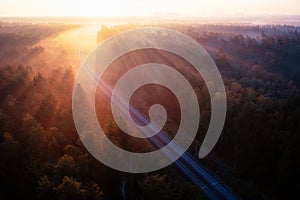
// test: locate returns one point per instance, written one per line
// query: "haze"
(31, 8)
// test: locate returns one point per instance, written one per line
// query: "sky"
(148, 7)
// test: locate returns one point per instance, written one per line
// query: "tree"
(157, 187)
(188, 191)
(70, 189)
(66, 166)
(45, 188)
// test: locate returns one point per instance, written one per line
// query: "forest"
(257, 156)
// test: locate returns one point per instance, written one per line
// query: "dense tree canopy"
(42, 157)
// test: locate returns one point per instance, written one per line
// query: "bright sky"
(146, 7)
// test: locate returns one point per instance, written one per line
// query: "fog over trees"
(257, 156)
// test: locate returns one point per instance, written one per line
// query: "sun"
(108, 8)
